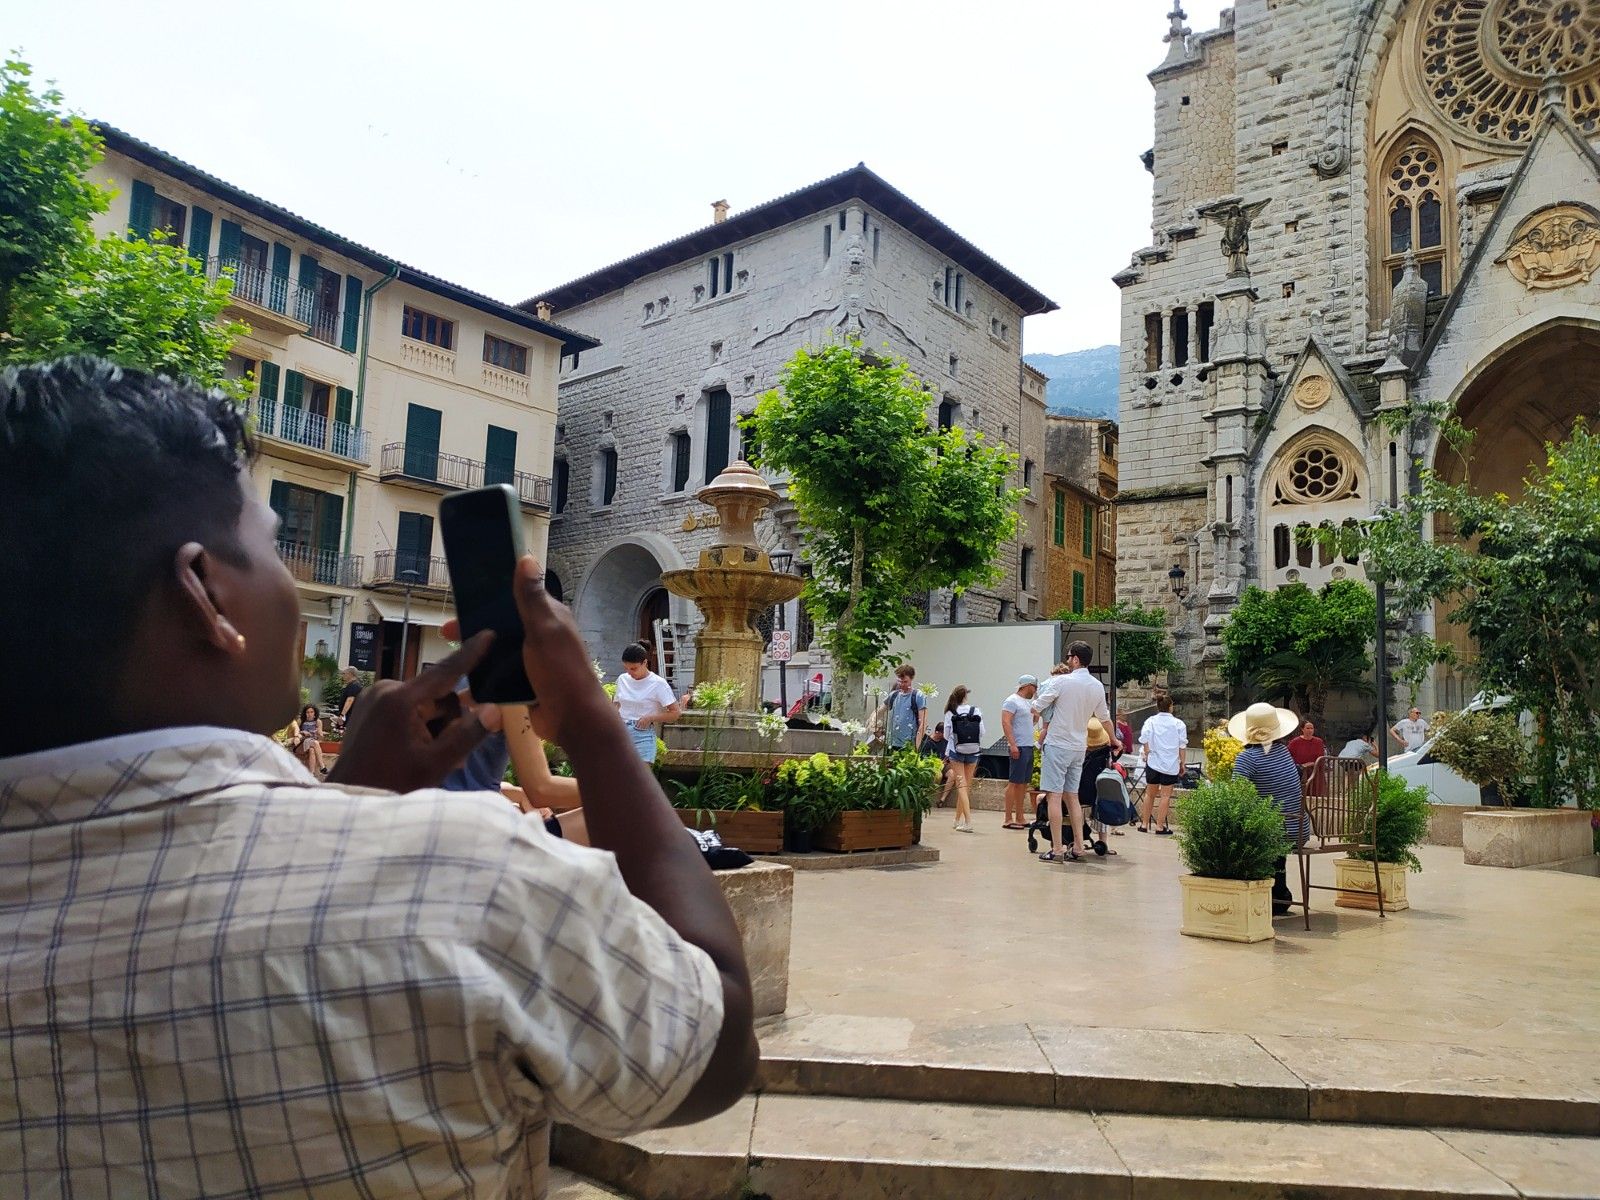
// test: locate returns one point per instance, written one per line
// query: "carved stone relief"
(1554, 248)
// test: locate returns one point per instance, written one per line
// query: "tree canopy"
(1521, 576)
(1300, 644)
(140, 303)
(891, 508)
(1140, 656)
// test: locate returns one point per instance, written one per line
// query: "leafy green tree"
(1301, 645)
(140, 303)
(891, 508)
(1140, 656)
(46, 199)
(1521, 576)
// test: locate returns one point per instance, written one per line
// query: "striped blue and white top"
(1275, 774)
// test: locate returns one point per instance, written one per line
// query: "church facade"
(1361, 211)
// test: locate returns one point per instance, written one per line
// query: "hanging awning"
(430, 615)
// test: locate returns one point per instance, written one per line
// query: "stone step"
(567, 1185)
(1183, 1073)
(813, 1147)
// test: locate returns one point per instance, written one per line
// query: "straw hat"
(1262, 724)
(1097, 734)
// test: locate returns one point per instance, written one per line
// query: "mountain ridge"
(1082, 383)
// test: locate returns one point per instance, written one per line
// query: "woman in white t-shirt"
(1164, 741)
(645, 700)
(964, 736)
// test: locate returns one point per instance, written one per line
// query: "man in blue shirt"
(905, 711)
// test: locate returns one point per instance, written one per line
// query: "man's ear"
(195, 570)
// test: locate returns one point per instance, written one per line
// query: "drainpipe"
(361, 393)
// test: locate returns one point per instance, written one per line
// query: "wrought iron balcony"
(311, 430)
(311, 565)
(269, 293)
(393, 570)
(422, 466)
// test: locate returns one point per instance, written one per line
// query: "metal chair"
(1339, 813)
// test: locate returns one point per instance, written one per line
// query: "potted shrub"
(1402, 824)
(733, 804)
(1484, 747)
(811, 792)
(881, 801)
(1231, 838)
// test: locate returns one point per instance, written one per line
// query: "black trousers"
(1280, 883)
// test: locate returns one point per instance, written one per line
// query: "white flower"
(930, 690)
(599, 671)
(825, 721)
(854, 728)
(771, 726)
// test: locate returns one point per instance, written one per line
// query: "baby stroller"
(1112, 806)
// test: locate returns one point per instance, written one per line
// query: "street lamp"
(781, 562)
(408, 580)
(1175, 578)
(1380, 578)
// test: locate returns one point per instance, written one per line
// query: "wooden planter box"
(1232, 910)
(330, 749)
(857, 830)
(750, 831)
(1353, 875)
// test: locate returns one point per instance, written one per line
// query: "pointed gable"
(1317, 390)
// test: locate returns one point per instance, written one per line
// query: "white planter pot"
(1354, 875)
(1232, 910)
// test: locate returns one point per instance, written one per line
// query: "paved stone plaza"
(946, 1037)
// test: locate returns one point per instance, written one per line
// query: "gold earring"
(239, 641)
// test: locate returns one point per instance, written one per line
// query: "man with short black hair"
(1070, 700)
(225, 976)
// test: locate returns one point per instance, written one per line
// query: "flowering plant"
(718, 695)
(1221, 748)
(930, 690)
(771, 726)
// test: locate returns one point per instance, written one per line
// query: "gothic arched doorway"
(656, 606)
(1528, 395)
(613, 597)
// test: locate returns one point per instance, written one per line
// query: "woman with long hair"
(964, 735)
(306, 741)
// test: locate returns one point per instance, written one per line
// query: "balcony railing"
(311, 565)
(396, 568)
(421, 463)
(312, 430)
(261, 287)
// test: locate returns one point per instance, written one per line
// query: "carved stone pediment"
(1554, 247)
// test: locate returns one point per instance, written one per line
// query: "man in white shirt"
(1363, 747)
(1163, 742)
(644, 699)
(1072, 698)
(1016, 722)
(1412, 731)
(224, 976)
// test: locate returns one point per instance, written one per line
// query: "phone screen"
(482, 541)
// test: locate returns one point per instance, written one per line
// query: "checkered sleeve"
(610, 1014)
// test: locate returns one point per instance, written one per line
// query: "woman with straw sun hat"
(1266, 762)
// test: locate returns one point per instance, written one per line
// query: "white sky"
(510, 147)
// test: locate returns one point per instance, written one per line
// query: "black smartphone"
(482, 532)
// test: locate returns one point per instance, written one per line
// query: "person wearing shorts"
(964, 735)
(1016, 722)
(1164, 742)
(1070, 699)
(644, 699)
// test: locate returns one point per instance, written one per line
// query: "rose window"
(1484, 61)
(1317, 473)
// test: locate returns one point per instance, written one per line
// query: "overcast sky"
(511, 146)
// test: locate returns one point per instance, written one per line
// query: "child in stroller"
(1111, 806)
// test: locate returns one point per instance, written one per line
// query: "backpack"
(967, 725)
(1111, 803)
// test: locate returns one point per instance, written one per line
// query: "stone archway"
(608, 604)
(1527, 394)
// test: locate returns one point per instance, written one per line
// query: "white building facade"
(693, 332)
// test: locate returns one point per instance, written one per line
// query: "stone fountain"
(732, 586)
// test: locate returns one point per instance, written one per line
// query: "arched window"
(1415, 217)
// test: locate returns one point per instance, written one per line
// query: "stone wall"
(665, 347)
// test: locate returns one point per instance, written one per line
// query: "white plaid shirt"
(224, 979)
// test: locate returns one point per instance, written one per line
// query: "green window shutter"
(1088, 530)
(278, 301)
(310, 271)
(199, 234)
(500, 456)
(331, 525)
(1077, 591)
(278, 500)
(141, 210)
(352, 313)
(343, 400)
(228, 243)
(413, 545)
(422, 441)
(269, 380)
(294, 385)
(1060, 532)
(719, 412)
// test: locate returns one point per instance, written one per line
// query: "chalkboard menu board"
(364, 646)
